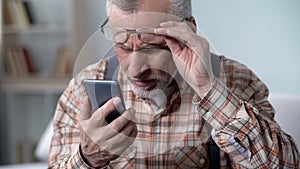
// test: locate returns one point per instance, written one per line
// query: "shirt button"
(202, 161)
(207, 115)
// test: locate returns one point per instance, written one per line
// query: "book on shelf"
(10, 65)
(28, 10)
(17, 61)
(28, 60)
(17, 13)
(7, 17)
(63, 66)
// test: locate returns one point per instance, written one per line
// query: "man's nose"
(137, 64)
(134, 41)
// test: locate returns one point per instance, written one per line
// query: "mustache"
(159, 78)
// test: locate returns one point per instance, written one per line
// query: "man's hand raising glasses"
(121, 35)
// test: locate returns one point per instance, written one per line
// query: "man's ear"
(192, 20)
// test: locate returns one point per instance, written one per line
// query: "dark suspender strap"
(112, 71)
(213, 149)
(214, 155)
(215, 62)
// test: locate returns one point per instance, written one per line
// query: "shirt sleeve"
(64, 148)
(246, 130)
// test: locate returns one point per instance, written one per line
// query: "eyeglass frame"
(132, 31)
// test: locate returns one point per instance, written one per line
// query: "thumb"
(85, 110)
(129, 114)
(174, 46)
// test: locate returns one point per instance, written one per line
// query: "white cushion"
(25, 166)
(43, 146)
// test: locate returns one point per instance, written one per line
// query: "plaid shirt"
(235, 113)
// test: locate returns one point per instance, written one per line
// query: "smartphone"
(100, 91)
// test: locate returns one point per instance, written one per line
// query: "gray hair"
(180, 8)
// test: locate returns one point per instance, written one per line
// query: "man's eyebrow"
(123, 45)
(143, 47)
(146, 30)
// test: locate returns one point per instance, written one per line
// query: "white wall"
(265, 35)
(97, 14)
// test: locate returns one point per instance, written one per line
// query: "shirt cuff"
(78, 160)
(81, 161)
(218, 106)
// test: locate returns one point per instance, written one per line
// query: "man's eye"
(125, 48)
(150, 50)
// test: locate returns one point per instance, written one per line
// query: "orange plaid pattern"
(235, 113)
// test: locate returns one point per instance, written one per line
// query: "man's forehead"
(140, 20)
(160, 6)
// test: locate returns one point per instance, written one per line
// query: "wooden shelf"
(35, 28)
(34, 85)
(28, 101)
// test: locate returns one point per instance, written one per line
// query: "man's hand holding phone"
(100, 143)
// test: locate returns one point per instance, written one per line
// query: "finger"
(133, 133)
(171, 24)
(167, 28)
(119, 123)
(182, 31)
(85, 110)
(118, 144)
(180, 34)
(129, 130)
(179, 24)
(100, 114)
(174, 46)
(179, 51)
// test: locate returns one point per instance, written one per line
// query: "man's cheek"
(165, 65)
(123, 60)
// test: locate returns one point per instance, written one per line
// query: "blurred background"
(41, 39)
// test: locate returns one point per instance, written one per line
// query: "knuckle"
(87, 127)
(132, 126)
(109, 105)
(170, 32)
(100, 113)
(171, 23)
(135, 130)
(115, 126)
(128, 114)
(205, 44)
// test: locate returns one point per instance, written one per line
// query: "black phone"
(100, 91)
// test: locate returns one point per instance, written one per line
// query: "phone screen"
(100, 91)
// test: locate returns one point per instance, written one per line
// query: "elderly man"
(186, 107)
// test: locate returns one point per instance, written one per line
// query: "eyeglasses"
(121, 35)
(146, 35)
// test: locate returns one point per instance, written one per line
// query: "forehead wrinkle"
(141, 20)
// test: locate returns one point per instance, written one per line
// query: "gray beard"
(159, 95)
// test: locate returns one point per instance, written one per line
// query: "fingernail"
(162, 23)
(132, 110)
(130, 115)
(116, 101)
